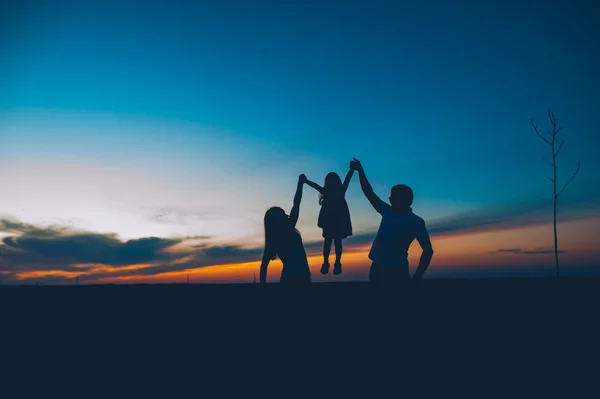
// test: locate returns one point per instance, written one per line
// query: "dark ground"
(508, 335)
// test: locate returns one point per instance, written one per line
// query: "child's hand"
(302, 178)
(356, 165)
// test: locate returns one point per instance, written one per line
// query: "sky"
(144, 142)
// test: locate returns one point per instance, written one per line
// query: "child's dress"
(334, 217)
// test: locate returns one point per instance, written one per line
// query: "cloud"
(200, 237)
(231, 251)
(519, 251)
(501, 217)
(91, 248)
(57, 249)
(185, 216)
(15, 226)
(48, 247)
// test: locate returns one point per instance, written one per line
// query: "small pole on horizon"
(188, 279)
(254, 278)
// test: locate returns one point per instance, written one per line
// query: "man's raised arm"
(365, 185)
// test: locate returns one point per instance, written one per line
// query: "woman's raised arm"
(295, 212)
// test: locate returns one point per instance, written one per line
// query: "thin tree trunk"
(552, 142)
(556, 242)
(555, 203)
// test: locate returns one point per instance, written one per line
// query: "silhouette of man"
(398, 228)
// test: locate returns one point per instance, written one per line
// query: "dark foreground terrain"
(508, 335)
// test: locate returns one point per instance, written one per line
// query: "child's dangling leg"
(337, 267)
(326, 251)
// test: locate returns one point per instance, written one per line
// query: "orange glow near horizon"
(86, 269)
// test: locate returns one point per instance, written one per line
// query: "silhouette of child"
(334, 217)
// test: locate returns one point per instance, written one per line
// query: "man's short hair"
(401, 195)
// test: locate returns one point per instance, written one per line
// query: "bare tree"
(556, 145)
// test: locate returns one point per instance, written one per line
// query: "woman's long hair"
(333, 183)
(278, 232)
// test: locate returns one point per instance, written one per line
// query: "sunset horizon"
(144, 144)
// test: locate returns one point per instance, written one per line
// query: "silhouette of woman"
(284, 241)
(334, 217)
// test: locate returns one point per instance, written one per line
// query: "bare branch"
(558, 130)
(560, 145)
(549, 178)
(538, 133)
(571, 179)
(548, 162)
(552, 117)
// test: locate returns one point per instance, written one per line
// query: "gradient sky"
(144, 142)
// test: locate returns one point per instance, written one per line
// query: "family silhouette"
(398, 228)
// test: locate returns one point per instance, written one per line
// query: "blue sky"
(228, 101)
